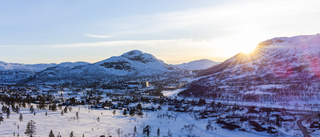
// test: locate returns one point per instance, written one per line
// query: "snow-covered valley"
(272, 92)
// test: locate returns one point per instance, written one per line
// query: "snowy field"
(169, 123)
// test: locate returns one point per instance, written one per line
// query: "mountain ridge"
(132, 64)
(280, 61)
(196, 64)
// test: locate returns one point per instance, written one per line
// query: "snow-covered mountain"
(280, 57)
(29, 67)
(281, 60)
(15, 72)
(196, 65)
(133, 64)
(13, 76)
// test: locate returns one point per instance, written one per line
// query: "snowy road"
(302, 128)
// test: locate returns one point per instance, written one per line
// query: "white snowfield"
(169, 123)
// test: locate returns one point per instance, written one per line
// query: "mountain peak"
(133, 52)
(137, 55)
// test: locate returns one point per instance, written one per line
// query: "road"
(302, 128)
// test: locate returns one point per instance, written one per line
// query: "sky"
(174, 31)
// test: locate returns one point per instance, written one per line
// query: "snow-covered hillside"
(15, 72)
(196, 65)
(13, 76)
(131, 64)
(72, 64)
(284, 61)
(29, 67)
(279, 57)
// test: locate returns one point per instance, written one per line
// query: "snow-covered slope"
(28, 67)
(131, 64)
(196, 65)
(279, 57)
(15, 72)
(13, 76)
(280, 60)
(72, 64)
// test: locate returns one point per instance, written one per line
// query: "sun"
(247, 44)
(248, 49)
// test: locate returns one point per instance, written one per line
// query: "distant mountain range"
(132, 65)
(37, 67)
(279, 62)
(196, 65)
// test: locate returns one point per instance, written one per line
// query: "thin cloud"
(155, 43)
(163, 42)
(222, 19)
(98, 36)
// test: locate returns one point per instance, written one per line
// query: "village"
(140, 98)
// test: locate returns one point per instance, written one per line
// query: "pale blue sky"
(175, 31)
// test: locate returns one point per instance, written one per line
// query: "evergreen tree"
(124, 112)
(65, 110)
(131, 112)
(1, 119)
(204, 102)
(77, 115)
(20, 118)
(31, 128)
(146, 130)
(51, 134)
(139, 107)
(24, 104)
(98, 119)
(71, 134)
(135, 129)
(278, 123)
(158, 132)
(53, 107)
(8, 112)
(31, 109)
(4, 109)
